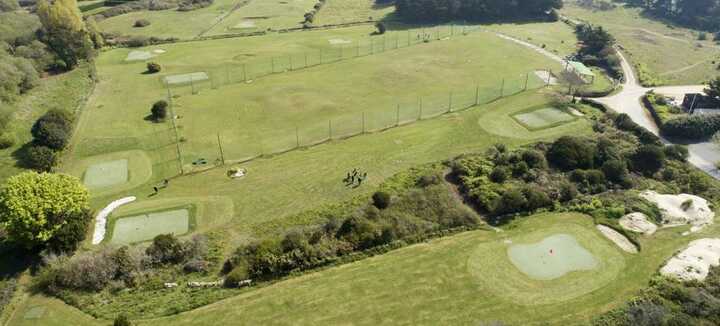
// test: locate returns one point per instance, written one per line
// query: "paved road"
(702, 155)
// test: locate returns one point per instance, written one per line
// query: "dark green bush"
(53, 129)
(141, 23)
(534, 159)
(40, 158)
(691, 127)
(381, 199)
(499, 174)
(237, 275)
(122, 320)
(676, 152)
(166, 248)
(648, 159)
(569, 153)
(68, 237)
(7, 140)
(153, 67)
(159, 110)
(615, 170)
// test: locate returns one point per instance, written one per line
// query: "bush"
(141, 23)
(615, 170)
(122, 320)
(536, 198)
(534, 159)
(691, 127)
(511, 201)
(499, 174)
(196, 266)
(40, 158)
(648, 159)
(153, 67)
(381, 200)
(52, 129)
(7, 140)
(676, 152)
(380, 28)
(238, 274)
(166, 248)
(158, 112)
(569, 153)
(69, 236)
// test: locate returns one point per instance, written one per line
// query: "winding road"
(703, 155)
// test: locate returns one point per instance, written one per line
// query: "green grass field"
(557, 37)
(348, 11)
(138, 228)
(671, 55)
(264, 15)
(437, 283)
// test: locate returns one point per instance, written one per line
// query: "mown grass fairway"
(436, 283)
(671, 55)
(348, 11)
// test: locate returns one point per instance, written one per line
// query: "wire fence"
(213, 77)
(242, 145)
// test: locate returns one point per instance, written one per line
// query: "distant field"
(259, 15)
(347, 11)
(671, 55)
(442, 282)
(557, 37)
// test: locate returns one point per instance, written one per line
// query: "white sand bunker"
(101, 219)
(334, 41)
(186, 78)
(136, 55)
(619, 239)
(694, 262)
(245, 24)
(682, 209)
(638, 222)
(159, 51)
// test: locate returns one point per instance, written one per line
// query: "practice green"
(147, 226)
(542, 118)
(552, 257)
(106, 174)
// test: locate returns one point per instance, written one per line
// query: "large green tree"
(65, 31)
(34, 207)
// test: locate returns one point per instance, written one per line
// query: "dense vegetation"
(481, 10)
(700, 14)
(668, 302)
(597, 49)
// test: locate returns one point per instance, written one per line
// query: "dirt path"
(534, 47)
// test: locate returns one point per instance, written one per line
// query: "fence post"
(363, 122)
(408, 37)
(397, 116)
(227, 74)
(192, 85)
(222, 155)
(272, 64)
(306, 60)
(548, 79)
(330, 129)
(297, 137)
(177, 137)
(477, 94)
(320, 55)
(452, 29)
(450, 103)
(357, 50)
(290, 59)
(502, 88)
(527, 78)
(244, 72)
(420, 113)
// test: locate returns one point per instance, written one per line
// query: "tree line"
(422, 11)
(700, 14)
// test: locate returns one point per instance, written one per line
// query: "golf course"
(244, 162)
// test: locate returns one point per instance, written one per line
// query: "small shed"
(581, 70)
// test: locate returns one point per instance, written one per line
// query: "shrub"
(381, 200)
(141, 23)
(691, 127)
(196, 266)
(7, 140)
(429, 180)
(534, 159)
(69, 236)
(499, 174)
(568, 153)
(52, 129)
(702, 36)
(520, 169)
(595, 177)
(536, 198)
(615, 170)
(676, 152)
(40, 158)
(568, 191)
(122, 320)
(158, 112)
(238, 274)
(153, 67)
(511, 201)
(166, 248)
(648, 159)
(380, 28)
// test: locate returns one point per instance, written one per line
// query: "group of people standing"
(355, 178)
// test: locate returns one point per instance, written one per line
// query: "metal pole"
(244, 72)
(502, 88)
(527, 78)
(420, 114)
(329, 129)
(397, 116)
(222, 155)
(450, 103)
(297, 137)
(477, 95)
(272, 60)
(192, 85)
(306, 60)
(290, 59)
(363, 122)
(408, 37)
(177, 137)
(320, 56)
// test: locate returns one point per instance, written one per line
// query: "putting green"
(518, 268)
(146, 226)
(106, 174)
(552, 257)
(543, 118)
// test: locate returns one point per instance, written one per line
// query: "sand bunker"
(682, 209)
(245, 24)
(552, 257)
(334, 41)
(101, 219)
(694, 262)
(638, 222)
(159, 51)
(619, 239)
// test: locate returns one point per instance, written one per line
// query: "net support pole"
(297, 137)
(290, 59)
(450, 103)
(244, 72)
(330, 129)
(420, 112)
(306, 60)
(363, 122)
(272, 65)
(477, 94)
(397, 116)
(527, 78)
(177, 137)
(222, 154)
(502, 88)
